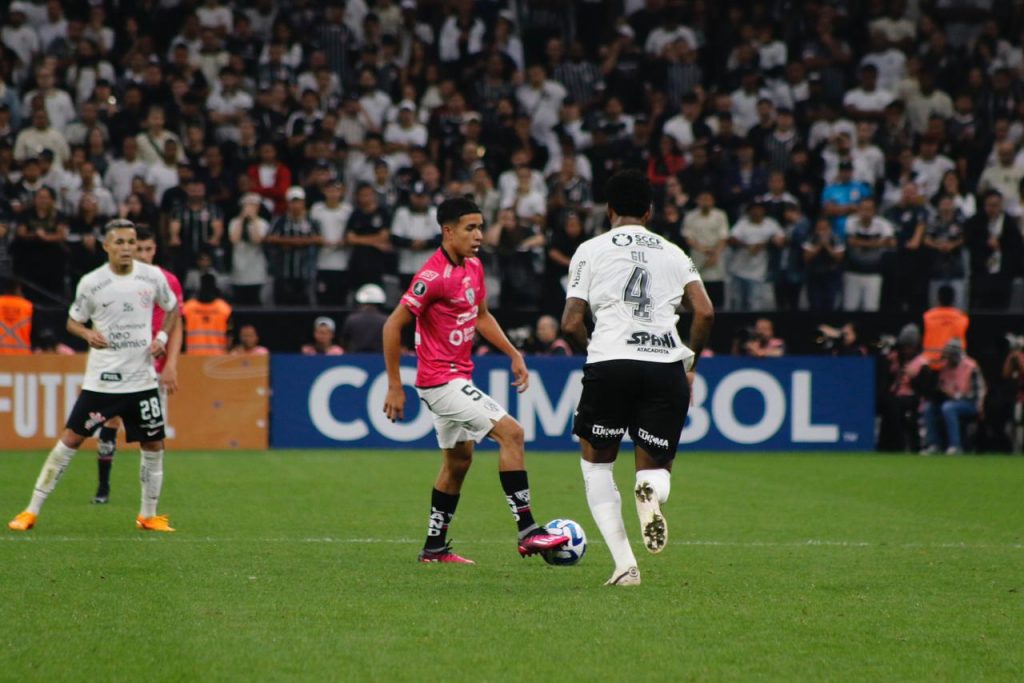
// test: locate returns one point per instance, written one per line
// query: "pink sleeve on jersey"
(175, 284)
(426, 286)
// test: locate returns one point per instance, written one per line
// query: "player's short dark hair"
(451, 210)
(946, 295)
(117, 224)
(143, 233)
(629, 193)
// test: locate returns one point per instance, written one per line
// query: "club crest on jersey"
(622, 240)
(420, 288)
(146, 298)
(471, 296)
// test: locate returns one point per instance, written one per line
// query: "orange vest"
(15, 326)
(206, 327)
(940, 325)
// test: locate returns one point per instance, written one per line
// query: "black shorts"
(647, 400)
(142, 413)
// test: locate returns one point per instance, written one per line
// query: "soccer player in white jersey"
(166, 367)
(639, 372)
(118, 297)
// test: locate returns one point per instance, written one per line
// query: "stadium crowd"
(814, 155)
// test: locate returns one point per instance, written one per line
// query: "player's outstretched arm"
(488, 326)
(574, 325)
(697, 302)
(394, 403)
(94, 338)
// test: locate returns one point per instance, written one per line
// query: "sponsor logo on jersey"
(428, 275)
(110, 377)
(647, 240)
(654, 341)
(578, 274)
(645, 436)
(598, 430)
(471, 296)
(419, 288)
(622, 239)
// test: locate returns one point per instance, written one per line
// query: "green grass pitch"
(299, 565)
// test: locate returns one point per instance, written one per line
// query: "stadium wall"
(792, 403)
(223, 403)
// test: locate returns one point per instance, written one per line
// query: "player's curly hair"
(629, 193)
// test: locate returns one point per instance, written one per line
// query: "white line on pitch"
(181, 538)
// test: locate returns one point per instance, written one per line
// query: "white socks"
(660, 480)
(151, 475)
(606, 507)
(56, 463)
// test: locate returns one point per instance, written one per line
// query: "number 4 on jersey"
(638, 293)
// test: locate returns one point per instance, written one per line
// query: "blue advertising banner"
(794, 403)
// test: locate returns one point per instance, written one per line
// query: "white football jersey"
(633, 281)
(121, 308)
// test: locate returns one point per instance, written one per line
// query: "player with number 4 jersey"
(639, 372)
(448, 301)
(120, 380)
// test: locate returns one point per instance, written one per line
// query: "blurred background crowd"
(812, 156)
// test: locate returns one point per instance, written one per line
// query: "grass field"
(299, 565)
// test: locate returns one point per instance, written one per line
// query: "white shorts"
(461, 412)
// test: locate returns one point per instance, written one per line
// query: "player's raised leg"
(515, 482)
(106, 449)
(443, 501)
(56, 462)
(653, 485)
(605, 504)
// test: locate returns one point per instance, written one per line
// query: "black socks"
(517, 495)
(442, 509)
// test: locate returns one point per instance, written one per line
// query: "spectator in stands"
(332, 215)
(868, 238)
(246, 232)
(706, 235)
(960, 396)
(363, 329)
(152, 143)
(1013, 371)
(192, 282)
(787, 261)
(270, 178)
(907, 284)
(996, 249)
(841, 198)
(823, 255)
(566, 238)
(196, 227)
(323, 339)
(41, 136)
(415, 234)
(750, 288)
(1004, 177)
(293, 239)
(39, 250)
(249, 343)
(517, 243)
(368, 233)
(944, 242)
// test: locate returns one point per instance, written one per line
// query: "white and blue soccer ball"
(573, 551)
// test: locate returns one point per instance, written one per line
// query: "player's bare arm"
(488, 326)
(94, 338)
(158, 347)
(574, 324)
(696, 301)
(394, 402)
(169, 377)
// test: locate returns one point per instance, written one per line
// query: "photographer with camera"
(758, 341)
(959, 394)
(900, 401)
(1013, 370)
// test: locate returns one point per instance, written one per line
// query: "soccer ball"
(573, 551)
